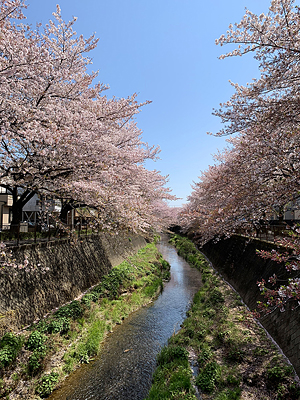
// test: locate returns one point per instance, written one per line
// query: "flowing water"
(124, 369)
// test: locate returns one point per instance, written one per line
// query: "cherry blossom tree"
(279, 292)
(166, 216)
(259, 171)
(272, 101)
(240, 192)
(271, 105)
(61, 136)
(34, 89)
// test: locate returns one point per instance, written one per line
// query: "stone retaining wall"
(64, 270)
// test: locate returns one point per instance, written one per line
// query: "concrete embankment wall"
(237, 261)
(63, 271)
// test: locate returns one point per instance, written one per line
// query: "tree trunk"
(17, 206)
(66, 207)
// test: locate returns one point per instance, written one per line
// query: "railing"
(14, 235)
(271, 231)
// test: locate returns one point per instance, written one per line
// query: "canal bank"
(128, 357)
(231, 356)
(237, 260)
(36, 360)
(217, 329)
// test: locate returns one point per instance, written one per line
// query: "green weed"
(10, 346)
(207, 377)
(235, 354)
(278, 373)
(73, 310)
(35, 361)
(229, 394)
(41, 326)
(36, 341)
(216, 297)
(170, 354)
(180, 380)
(60, 325)
(69, 363)
(151, 289)
(47, 384)
(15, 377)
(172, 378)
(260, 351)
(205, 355)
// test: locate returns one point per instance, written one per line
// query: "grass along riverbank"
(233, 357)
(34, 362)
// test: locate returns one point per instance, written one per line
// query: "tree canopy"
(259, 170)
(61, 135)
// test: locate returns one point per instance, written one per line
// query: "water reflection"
(127, 361)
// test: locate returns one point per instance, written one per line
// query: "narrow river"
(124, 369)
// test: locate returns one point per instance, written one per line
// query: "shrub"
(47, 384)
(86, 300)
(10, 340)
(60, 325)
(10, 345)
(100, 289)
(114, 279)
(91, 296)
(94, 296)
(34, 361)
(73, 310)
(7, 356)
(41, 326)
(36, 341)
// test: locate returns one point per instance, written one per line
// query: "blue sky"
(164, 50)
